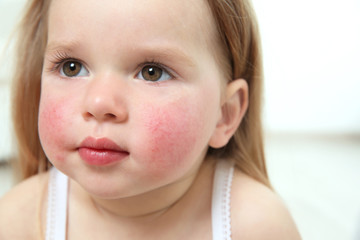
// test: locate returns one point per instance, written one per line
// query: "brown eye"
(73, 69)
(151, 73)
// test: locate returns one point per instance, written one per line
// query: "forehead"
(124, 22)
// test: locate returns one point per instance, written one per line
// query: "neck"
(154, 204)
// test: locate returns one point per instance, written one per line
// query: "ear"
(232, 112)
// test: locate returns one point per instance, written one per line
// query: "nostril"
(106, 116)
(87, 115)
(110, 116)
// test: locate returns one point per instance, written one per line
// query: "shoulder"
(21, 208)
(257, 212)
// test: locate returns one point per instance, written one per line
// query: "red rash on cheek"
(173, 132)
(52, 128)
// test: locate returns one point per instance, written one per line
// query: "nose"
(104, 101)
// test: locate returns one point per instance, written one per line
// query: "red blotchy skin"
(164, 135)
(52, 123)
(172, 133)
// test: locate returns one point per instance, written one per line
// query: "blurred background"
(311, 115)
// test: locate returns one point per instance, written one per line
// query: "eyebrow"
(168, 52)
(156, 51)
(64, 46)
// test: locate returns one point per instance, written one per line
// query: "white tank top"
(221, 225)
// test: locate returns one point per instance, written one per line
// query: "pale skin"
(162, 190)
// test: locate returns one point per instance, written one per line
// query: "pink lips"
(101, 151)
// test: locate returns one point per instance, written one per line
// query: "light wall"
(312, 65)
(9, 14)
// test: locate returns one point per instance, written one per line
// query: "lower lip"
(101, 157)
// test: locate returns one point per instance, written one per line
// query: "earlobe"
(232, 112)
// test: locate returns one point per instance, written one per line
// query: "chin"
(108, 188)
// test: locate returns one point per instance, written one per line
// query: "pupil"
(72, 66)
(151, 71)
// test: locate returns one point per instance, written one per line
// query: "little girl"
(140, 120)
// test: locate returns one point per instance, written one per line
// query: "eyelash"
(60, 58)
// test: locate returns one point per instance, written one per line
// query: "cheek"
(52, 127)
(175, 133)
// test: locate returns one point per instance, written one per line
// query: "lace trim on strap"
(57, 206)
(221, 219)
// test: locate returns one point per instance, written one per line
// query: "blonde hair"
(241, 58)
(31, 43)
(239, 36)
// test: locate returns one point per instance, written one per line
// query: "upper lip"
(101, 144)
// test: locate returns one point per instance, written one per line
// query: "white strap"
(221, 220)
(57, 205)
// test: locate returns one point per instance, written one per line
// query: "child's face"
(139, 73)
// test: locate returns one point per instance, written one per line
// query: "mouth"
(101, 151)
